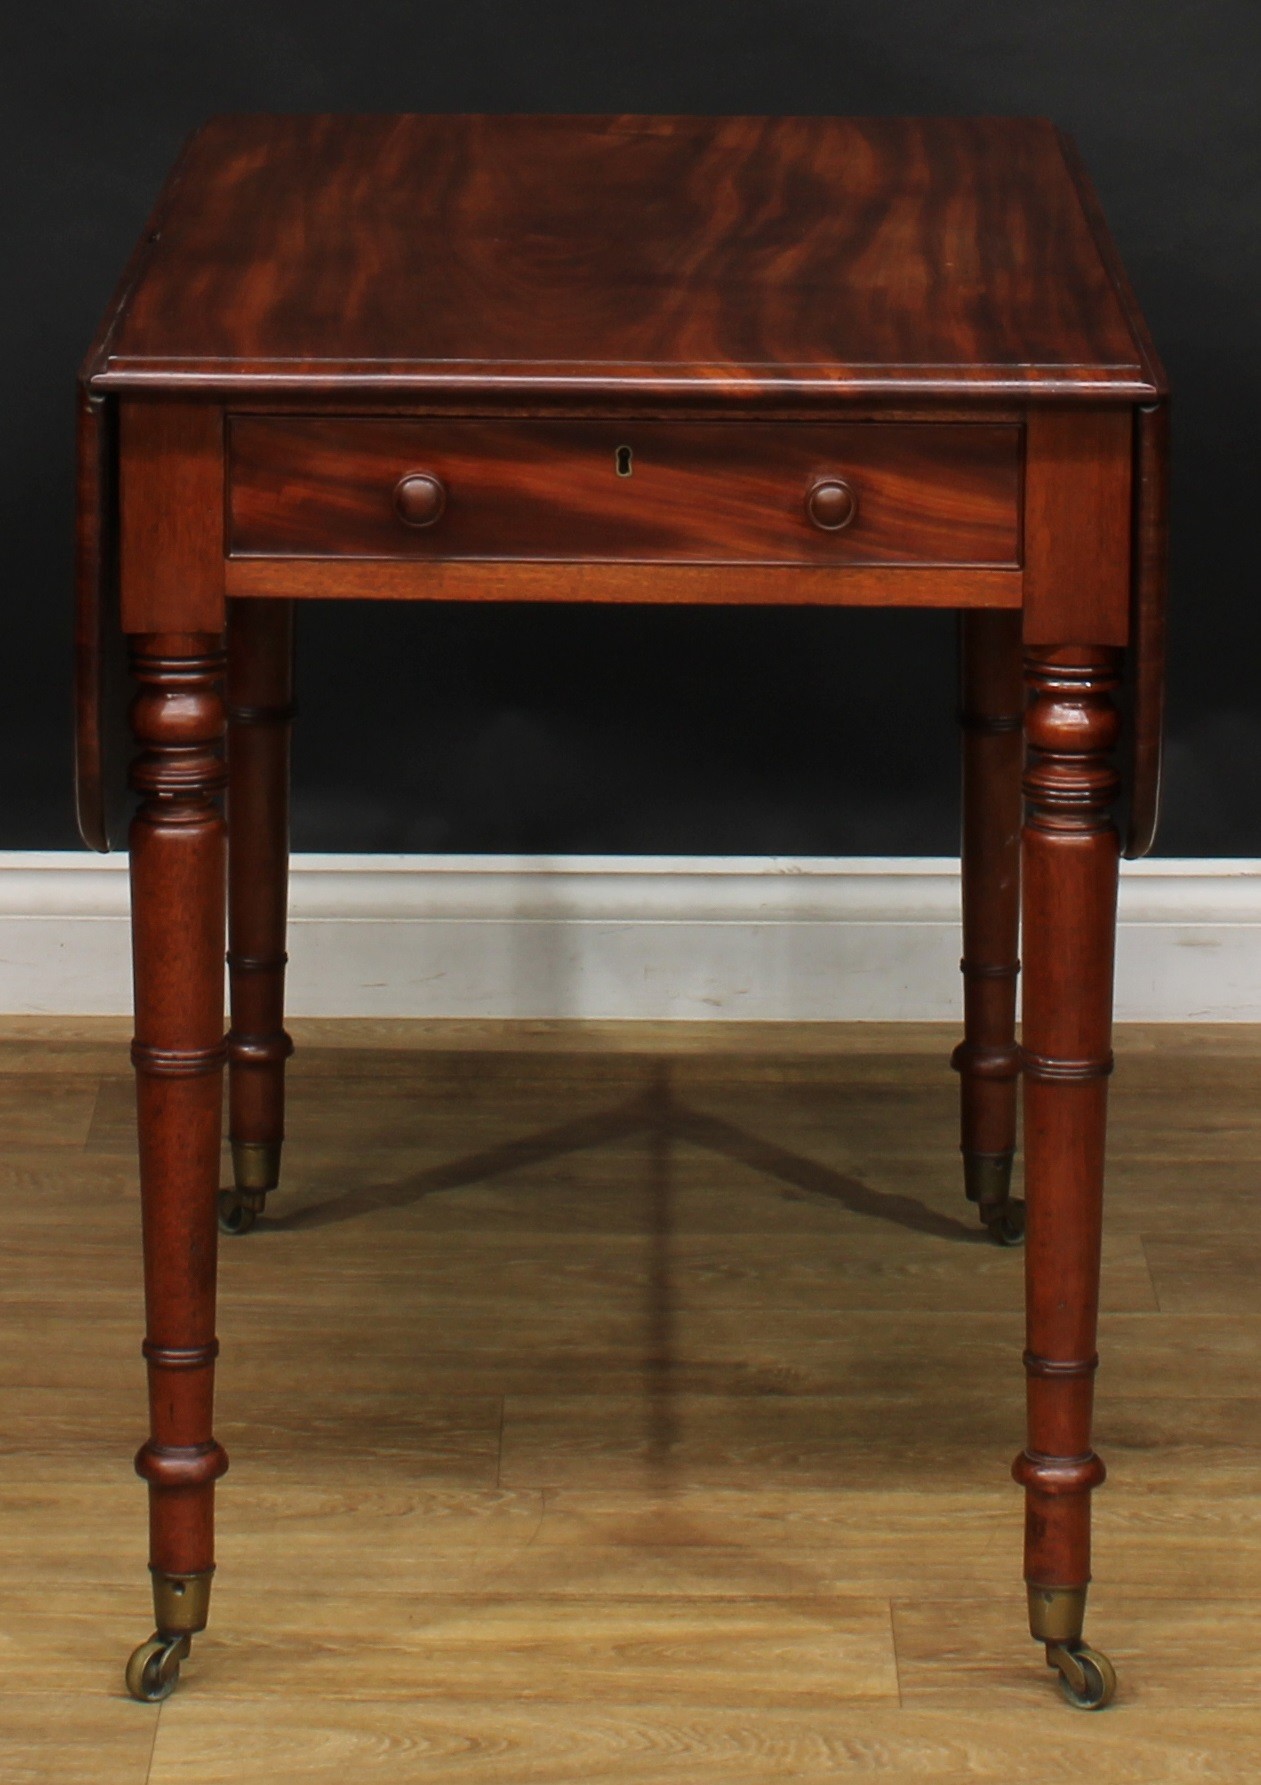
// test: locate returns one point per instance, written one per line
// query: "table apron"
(701, 584)
(176, 568)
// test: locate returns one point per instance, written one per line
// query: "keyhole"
(622, 458)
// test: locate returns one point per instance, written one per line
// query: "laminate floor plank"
(852, 1441)
(87, 1675)
(418, 1537)
(73, 1736)
(387, 1743)
(580, 1352)
(842, 1275)
(52, 1109)
(606, 1648)
(433, 1436)
(630, 1403)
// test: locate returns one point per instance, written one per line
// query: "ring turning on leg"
(987, 1060)
(177, 884)
(260, 715)
(1070, 885)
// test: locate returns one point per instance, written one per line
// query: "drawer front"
(890, 493)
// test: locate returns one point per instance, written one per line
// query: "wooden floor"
(629, 1404)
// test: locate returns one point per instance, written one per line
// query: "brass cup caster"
(240, 1209)
(154, 1667)
(255, 1171)
(987, 1183)
(1087, 1679)
(1005, 1221)
(181, 1606)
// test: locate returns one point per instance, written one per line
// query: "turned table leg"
(260, 716)
(1070, 889)
(987, 1059)
(177, 894)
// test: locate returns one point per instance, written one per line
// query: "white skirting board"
(658, 937)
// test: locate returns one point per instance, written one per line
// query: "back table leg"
(1071, 853)
(260, 716)
(987, 1059)
(177, 910)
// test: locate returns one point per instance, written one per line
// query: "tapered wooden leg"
(987, 1059)
(177, 893)
(1070, 889)
(260, 716)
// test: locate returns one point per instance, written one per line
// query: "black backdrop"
(690, 732)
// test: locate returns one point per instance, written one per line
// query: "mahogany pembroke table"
(863, 362)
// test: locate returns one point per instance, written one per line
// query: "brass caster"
(155, 1667)
(255, 1164)
(1087, 1679)
(1005, 1222)
(987, 1178)
(239, 1210)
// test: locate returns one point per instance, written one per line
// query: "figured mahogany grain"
(170, 517)
(1078, 482)
(698, 585)
(630, 490)
(600, 257)
(948, 269)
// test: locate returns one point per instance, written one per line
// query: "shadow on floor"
(657, 1113)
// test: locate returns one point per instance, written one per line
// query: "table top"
(611, 258)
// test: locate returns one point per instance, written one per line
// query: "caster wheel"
(1087, 1679)
(1006, 1225)
(236, 1215)
(154, 1668)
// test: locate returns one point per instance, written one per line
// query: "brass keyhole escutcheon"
(622, 460)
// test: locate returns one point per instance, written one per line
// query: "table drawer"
(911, 493)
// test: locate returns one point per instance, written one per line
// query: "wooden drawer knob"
(419, 499)
(831, 504)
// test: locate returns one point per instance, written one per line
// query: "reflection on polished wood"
(630, 1403)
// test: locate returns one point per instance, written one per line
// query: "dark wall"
(555, 730)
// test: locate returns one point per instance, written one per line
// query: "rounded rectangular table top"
(846, 271)
(604, 258)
